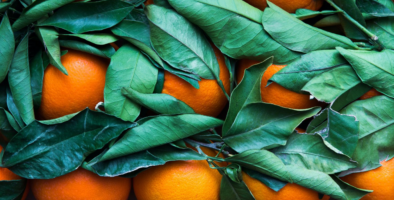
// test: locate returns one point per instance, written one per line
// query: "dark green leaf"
(269, 127)
(285, 29)
(136, 72)
(384, 29)
(36, 11)
(158, 131)
(7, 124)
(89, 16)
(161, 103)
(350, 96)
(235, 35)
(351, 192)
(7, 47)
(58, 149)
(374, 8)
(96, 38)
(273, 183)
(105, 51)
(37, 77)
(12, 190)
(231, 190)
(351, 30)
(19, 80)
(303, 14)
(14, 111)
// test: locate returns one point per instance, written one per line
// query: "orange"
(8, 175)
(275, 93)
(82, 185)
(289, 5)
(178, 180)
(371, 93)
(300, 130)
(83, 87)
(148, 2)
(291, 191)
(380, 180)
(209, 99)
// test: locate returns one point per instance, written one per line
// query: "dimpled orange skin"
(291, 191)
(178, 180)
(371, 93)
(289, 5)
(380, 180)
(275, 93)
(83, 87)
(209, 99)
(81, 185)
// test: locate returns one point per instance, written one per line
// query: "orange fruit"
(379, 180)
(81, 185)
(371, 93)
(209, 99)
(275, 93)
(8, 175)
(83, 87)
(178, 180)
(300, 130)
(148, 2)
(289, 192)
(289, 5)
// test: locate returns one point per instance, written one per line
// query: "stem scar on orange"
(275, 93)
(289, 5)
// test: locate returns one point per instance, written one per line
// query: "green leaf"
(89, 16)
(13, 189)
(235, 35)
(350, 96)
(303, 14)
(387, 3)
(350, 191)
(19, 80)
(374, 8)
(373, 68)
(95, 38)
(261, 161)
(231, 190)
(384, 29)
(298, 73)
(105, 51)
(37, 77)
(42, 151)
(273, 183)
(138, 34)
(14, 111)
(136, 72)
(158, 131)
(49, 38)
(285, 29)
(270, 126)
(144, 159)
(181, 44)
(7, 123)
(248, 91)
(310, 152)
(37, 10)
(7, 47)
(58, 120)
(328, 85)
(351, 30)
(161, 103)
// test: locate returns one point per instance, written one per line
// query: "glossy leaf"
(384, 29)
(37, 67)
(158, 131)
(351, 30)
(49, 37)
(12, 189)
(158, 102)
(273, 183)
(97, 38)
(285, 29)
(269, 127)
(19, 81)
(136, 72)
(7, 47)
(105, 51)
(7, 124)
(298, 73)
(310, 152)
(235, 35)
(248, 91)
(234, 191)
(42, 151)
(37, 10)
(14, 111)
(89, 16)
(373, 68)
(374, 8)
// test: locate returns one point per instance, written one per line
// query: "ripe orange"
(275, 93)
(379, 180)
(290, 191)
(82, 185)
(8, 175)
(371, 93)
(209, 99)
(83, 87)
(289, 5)
(148, 2)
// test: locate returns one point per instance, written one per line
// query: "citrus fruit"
(81, 185)
(83, 87)
(209, 99)
(379, 180)
(8, 175)
(179, 180)
(291, 191)
(148, 2)
(371, 93)
(275, 93)
(289, 5)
